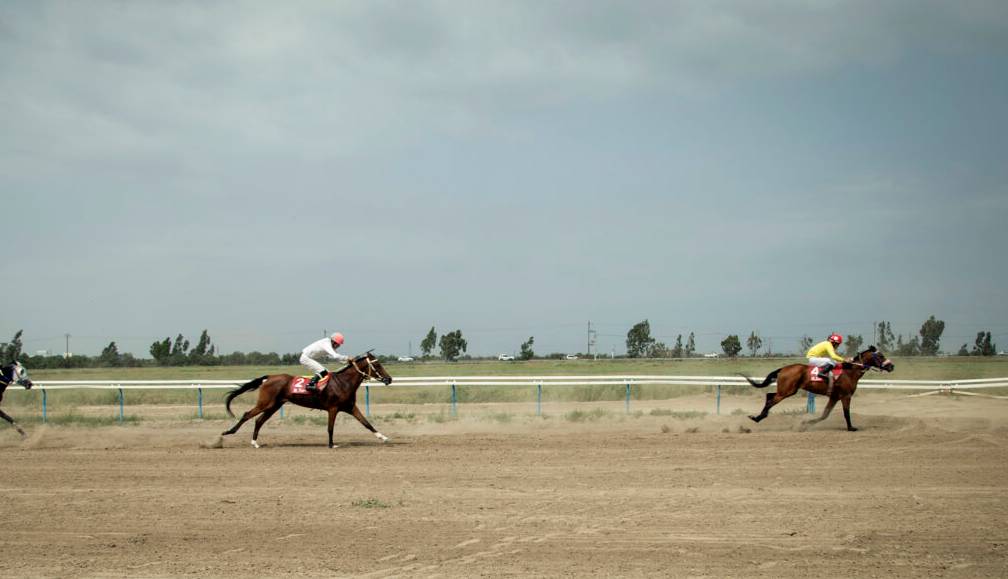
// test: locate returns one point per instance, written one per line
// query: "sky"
(270, 171)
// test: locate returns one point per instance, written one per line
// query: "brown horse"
(13, 374)
(339, 394)
(796, 376)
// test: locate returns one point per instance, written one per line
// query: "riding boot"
(829, 382)
(312, 384)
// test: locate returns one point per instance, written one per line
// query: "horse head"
(872, 358)
(370, 367)
(19, 375)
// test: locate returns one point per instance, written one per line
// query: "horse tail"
(251, 385)
(766, 381)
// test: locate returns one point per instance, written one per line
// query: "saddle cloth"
(814, 374)
(299, 385)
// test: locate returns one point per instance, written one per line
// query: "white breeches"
(816, 361)
(311, 364)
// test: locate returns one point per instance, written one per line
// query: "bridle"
(17, 376)
(877, 362)
(372, 372)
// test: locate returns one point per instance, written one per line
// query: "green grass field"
(945, 368)
(68, 401)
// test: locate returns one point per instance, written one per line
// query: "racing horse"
(338, 394)
(794, 377)
(13, 374)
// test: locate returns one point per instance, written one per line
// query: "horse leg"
(772, 399)
(846, 413)
(826, 411)
(250, 414)
(6, 417)
(788, 382)
(332, 421)
(262, 420)
(360, 418)
(766, 407)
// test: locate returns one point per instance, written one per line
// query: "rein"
(370, 369)
(867, 367)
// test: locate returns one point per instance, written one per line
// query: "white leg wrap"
(255, 444)
(381, 437)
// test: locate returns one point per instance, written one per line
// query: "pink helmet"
(836, 339)
(337, 338)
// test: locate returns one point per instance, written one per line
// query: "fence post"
(367, 400)
(718, 409)
(628, 396)
(454, 400)
(44, 406)
(199, 399)
(121, 404)
(810, 405)
(539, 399)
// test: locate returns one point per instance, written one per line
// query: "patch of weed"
(370, 504)
(583, 416)
(678, 414)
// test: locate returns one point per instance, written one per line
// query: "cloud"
(136, 79)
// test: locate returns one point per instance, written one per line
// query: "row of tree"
(640, 344)
(452, 345)
(165, 352)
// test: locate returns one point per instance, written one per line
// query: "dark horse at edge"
(795, 377)
(13, 374)
(338, 395)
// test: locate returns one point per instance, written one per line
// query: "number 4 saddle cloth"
(817, 375)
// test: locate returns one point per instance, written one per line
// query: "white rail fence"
(923, 387)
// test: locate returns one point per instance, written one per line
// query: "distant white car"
(571, 357)
(405, 359)
(711, 355)
(505, 357)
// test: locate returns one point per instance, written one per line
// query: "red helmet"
(836, 339)
(337, 339)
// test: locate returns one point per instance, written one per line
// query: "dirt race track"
(919, 491)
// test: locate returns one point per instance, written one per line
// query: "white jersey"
(323, 349)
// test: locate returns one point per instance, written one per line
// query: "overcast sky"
(267, 171)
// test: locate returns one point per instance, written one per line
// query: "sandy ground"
(919, 491)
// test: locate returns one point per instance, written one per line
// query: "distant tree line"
(167, 352)
(453, 346)
(640, 344)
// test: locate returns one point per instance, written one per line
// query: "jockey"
(324, 348)
(824, 355)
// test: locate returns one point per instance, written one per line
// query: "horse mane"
(357, 357)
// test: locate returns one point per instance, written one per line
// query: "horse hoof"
(333, 446)
(754, 419)
(255, 444)
(852, 429)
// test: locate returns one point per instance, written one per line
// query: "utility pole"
(66, 353)
(591, 340)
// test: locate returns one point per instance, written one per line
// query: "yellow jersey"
(824, 349)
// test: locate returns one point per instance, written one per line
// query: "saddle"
(815, 374)
(299, 385)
